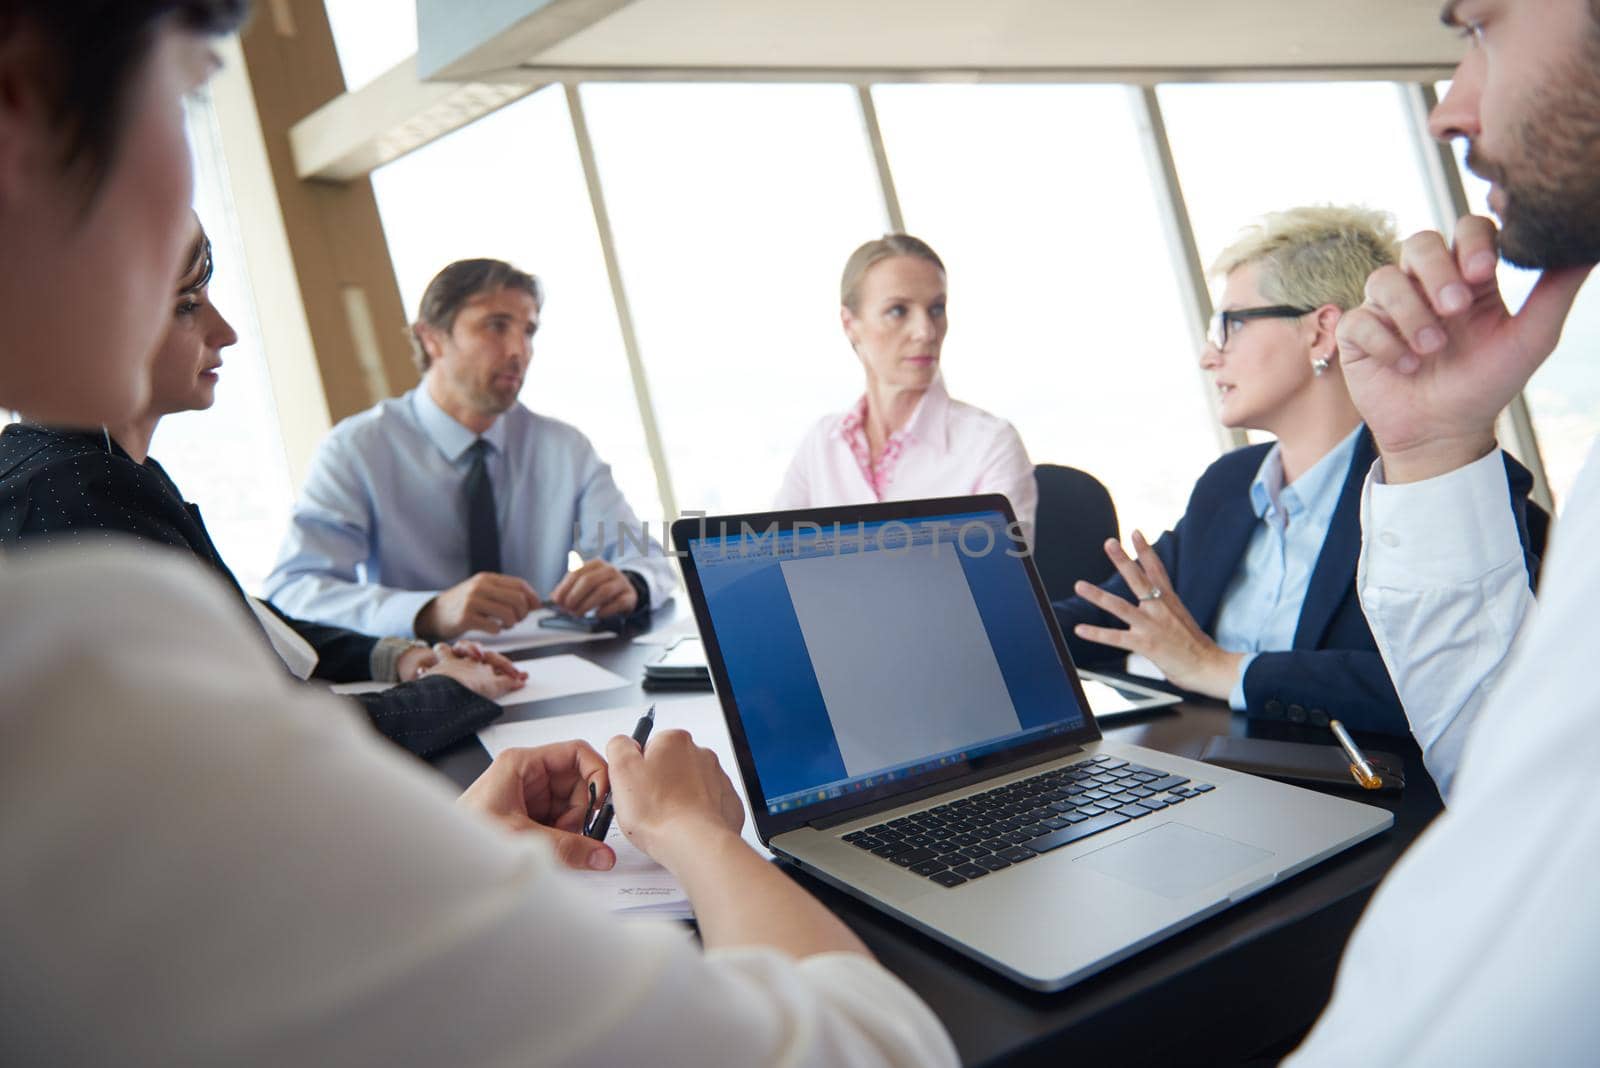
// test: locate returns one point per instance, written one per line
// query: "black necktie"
(483, 531)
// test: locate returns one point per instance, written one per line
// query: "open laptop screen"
(861, 655)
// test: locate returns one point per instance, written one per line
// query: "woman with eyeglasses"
(59, 485)
(1251, 597)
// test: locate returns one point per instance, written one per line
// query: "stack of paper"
(637, 884)
(548, 677)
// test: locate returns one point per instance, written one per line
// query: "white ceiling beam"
(356, 133)
(468, 41)
(479, 57)
(546, 75)
(950, 35)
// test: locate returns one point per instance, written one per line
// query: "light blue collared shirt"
(381, 525)
(1261, 607)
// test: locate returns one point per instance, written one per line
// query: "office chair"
(1075, 518)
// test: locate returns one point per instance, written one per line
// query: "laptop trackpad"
(1173, 860)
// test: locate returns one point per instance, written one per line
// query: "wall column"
(337, 254)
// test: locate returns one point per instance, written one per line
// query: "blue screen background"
(769, 669)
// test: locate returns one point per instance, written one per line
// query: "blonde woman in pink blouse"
(905, 437)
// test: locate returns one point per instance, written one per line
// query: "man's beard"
(492, 402)
(1551, 214)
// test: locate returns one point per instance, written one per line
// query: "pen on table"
(1359, 768)
(602, 819)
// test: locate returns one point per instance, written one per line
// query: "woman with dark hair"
(206, 863)
(61, 485)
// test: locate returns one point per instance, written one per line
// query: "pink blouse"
(946, 449)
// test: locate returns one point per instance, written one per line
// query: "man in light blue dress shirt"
(383, 538)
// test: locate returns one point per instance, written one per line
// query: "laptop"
(910, 728)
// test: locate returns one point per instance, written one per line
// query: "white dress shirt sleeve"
(330, 536)
(1236, 696)
(1480, 946)
(1444, 587)
(206, 863)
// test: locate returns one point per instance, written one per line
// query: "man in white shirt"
(1483, 944)
(201, 863)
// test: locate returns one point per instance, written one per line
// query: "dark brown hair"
(197, 275)
(94, 50)
(458, 283)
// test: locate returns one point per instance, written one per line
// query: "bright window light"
(1065, 313)
(734, 208)
(1244, 150)
(371, 36)
(230, 460)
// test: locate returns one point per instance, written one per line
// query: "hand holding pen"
(600, 825)
(674, 798)
(541, 790)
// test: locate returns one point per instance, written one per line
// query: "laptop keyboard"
(969, 838)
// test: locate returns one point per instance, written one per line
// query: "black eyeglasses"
(1223, 322)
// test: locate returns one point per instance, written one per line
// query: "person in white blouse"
(1483, 944)
(906, 437)
(203, 863)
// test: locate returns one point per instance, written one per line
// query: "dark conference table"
(1242, 985)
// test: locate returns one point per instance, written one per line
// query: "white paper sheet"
(1139, 664)
(548, 677)
(670, 633)
(637, 886)
(529, 634)
(1103, 699)
(637, 883)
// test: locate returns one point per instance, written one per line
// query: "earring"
(1319, 366)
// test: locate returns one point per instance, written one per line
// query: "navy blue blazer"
(1334, 670)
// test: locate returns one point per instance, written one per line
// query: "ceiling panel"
(979, 36)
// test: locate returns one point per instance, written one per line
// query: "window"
(510, 186)
(1065, 313)
(371, 36)
(1244, 150)
(230, 459)
(1564, 394)
(734, 208)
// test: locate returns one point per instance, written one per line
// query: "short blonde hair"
(873, 252)
(1316, 255)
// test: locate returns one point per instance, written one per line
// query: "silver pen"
(1359, 768)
